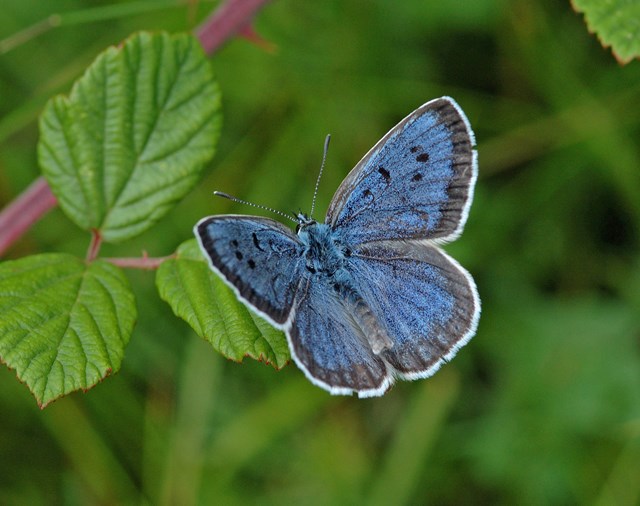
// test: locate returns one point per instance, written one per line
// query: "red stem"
(23, 212)
(94, 246)
(229, 19)
(15, 219)
(139, 263)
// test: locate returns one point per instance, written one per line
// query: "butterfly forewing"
(415, 183)
(260, 258)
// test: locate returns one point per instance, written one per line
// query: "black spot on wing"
(239, 255)
(384, 173)
(422, 157)
(416, 177)
(256, 243)
(415, 149)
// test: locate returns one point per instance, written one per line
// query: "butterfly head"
(304, 221)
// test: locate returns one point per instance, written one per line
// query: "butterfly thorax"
(323, 254)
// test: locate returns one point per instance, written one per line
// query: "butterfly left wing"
(427, 304)
(327, 344)
(258, 257)
(415, 183)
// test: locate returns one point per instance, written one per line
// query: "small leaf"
(132, 137)
(616, 23)
(204, 301)
(63, 324)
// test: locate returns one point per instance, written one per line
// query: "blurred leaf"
(204, 301)
(63, 324)
(418, 427)
(132, 137)
(616, 23)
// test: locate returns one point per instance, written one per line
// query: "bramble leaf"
(132, 137)
(205, 302)
(616, 23)
(64, 324)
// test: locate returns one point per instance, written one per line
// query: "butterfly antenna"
(259, 206)
(324, 159)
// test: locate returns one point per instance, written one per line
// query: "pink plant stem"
(23, 212)
(94, 246)
(144, 262)
(229, 19)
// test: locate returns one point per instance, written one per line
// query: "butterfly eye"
(297, 228)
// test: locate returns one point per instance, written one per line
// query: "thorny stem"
(231, 18)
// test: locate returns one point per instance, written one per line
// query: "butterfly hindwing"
(260, 258)
(424, 300)
(415, 183)
(328, 346)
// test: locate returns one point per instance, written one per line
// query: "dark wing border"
(204, 242)
(463, 138)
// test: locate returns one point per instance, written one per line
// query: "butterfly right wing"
(258, 257)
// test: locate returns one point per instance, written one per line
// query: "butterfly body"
(327, 261)
(323, 254)
(368, 296)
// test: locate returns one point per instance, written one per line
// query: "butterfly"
(368, 296)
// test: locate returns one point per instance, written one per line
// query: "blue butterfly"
(367, 296)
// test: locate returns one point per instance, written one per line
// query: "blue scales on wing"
(259, 257)
(329, 346)
(423, 299)
(415, 183)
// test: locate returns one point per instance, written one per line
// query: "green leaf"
(204, 301)
(63, 324)
(616, 23)
(134, 134)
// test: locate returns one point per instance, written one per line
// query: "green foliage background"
(542, 406)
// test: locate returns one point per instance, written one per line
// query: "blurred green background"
(541, 407)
